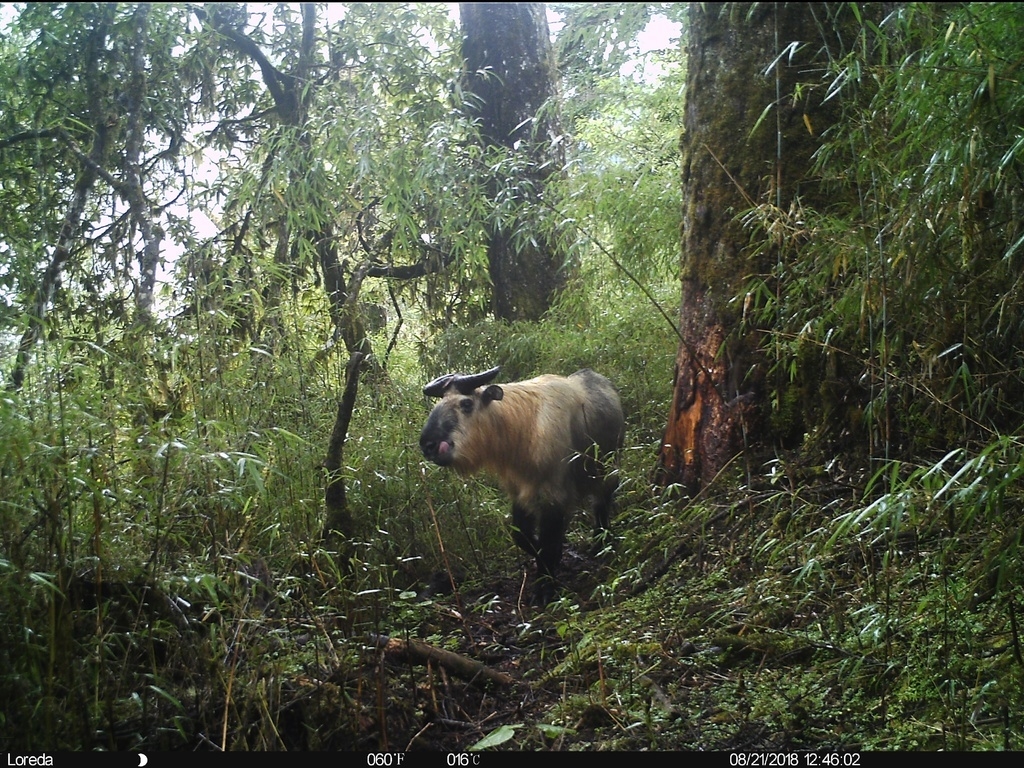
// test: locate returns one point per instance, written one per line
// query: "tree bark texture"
(510, 68)
(141, 210)
(728, 167)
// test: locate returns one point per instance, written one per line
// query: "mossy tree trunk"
(750, 130)
(510, 68)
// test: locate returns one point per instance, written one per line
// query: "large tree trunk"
(510, 68)
(729, 167)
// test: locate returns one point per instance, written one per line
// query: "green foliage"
(611, 329)
(807, 619)
(495, 738)
(897, 298)
(932, 566)
(622, 189)
(67, 68)
(164, 581)
(597, 40)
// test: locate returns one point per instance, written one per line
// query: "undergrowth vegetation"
(165, 580)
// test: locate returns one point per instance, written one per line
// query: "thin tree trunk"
(291, 93)
(338, 526)
(151, 235)
(70, 226)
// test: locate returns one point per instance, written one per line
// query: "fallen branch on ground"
(422, 653)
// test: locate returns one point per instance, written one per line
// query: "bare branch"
(282, 86)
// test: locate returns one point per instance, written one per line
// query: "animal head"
(450, 424)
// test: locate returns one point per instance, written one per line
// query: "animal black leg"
(604, 503)
(523, 533)
(549, 539)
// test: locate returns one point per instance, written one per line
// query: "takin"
(550, 441)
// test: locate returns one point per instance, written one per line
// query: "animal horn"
(437, 387)
(464, 383)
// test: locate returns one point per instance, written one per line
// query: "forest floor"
(670, 661)
(553, 686)
(436, 699)
(732, 634)
(737, 623)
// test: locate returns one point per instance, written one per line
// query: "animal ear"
(493, 392)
